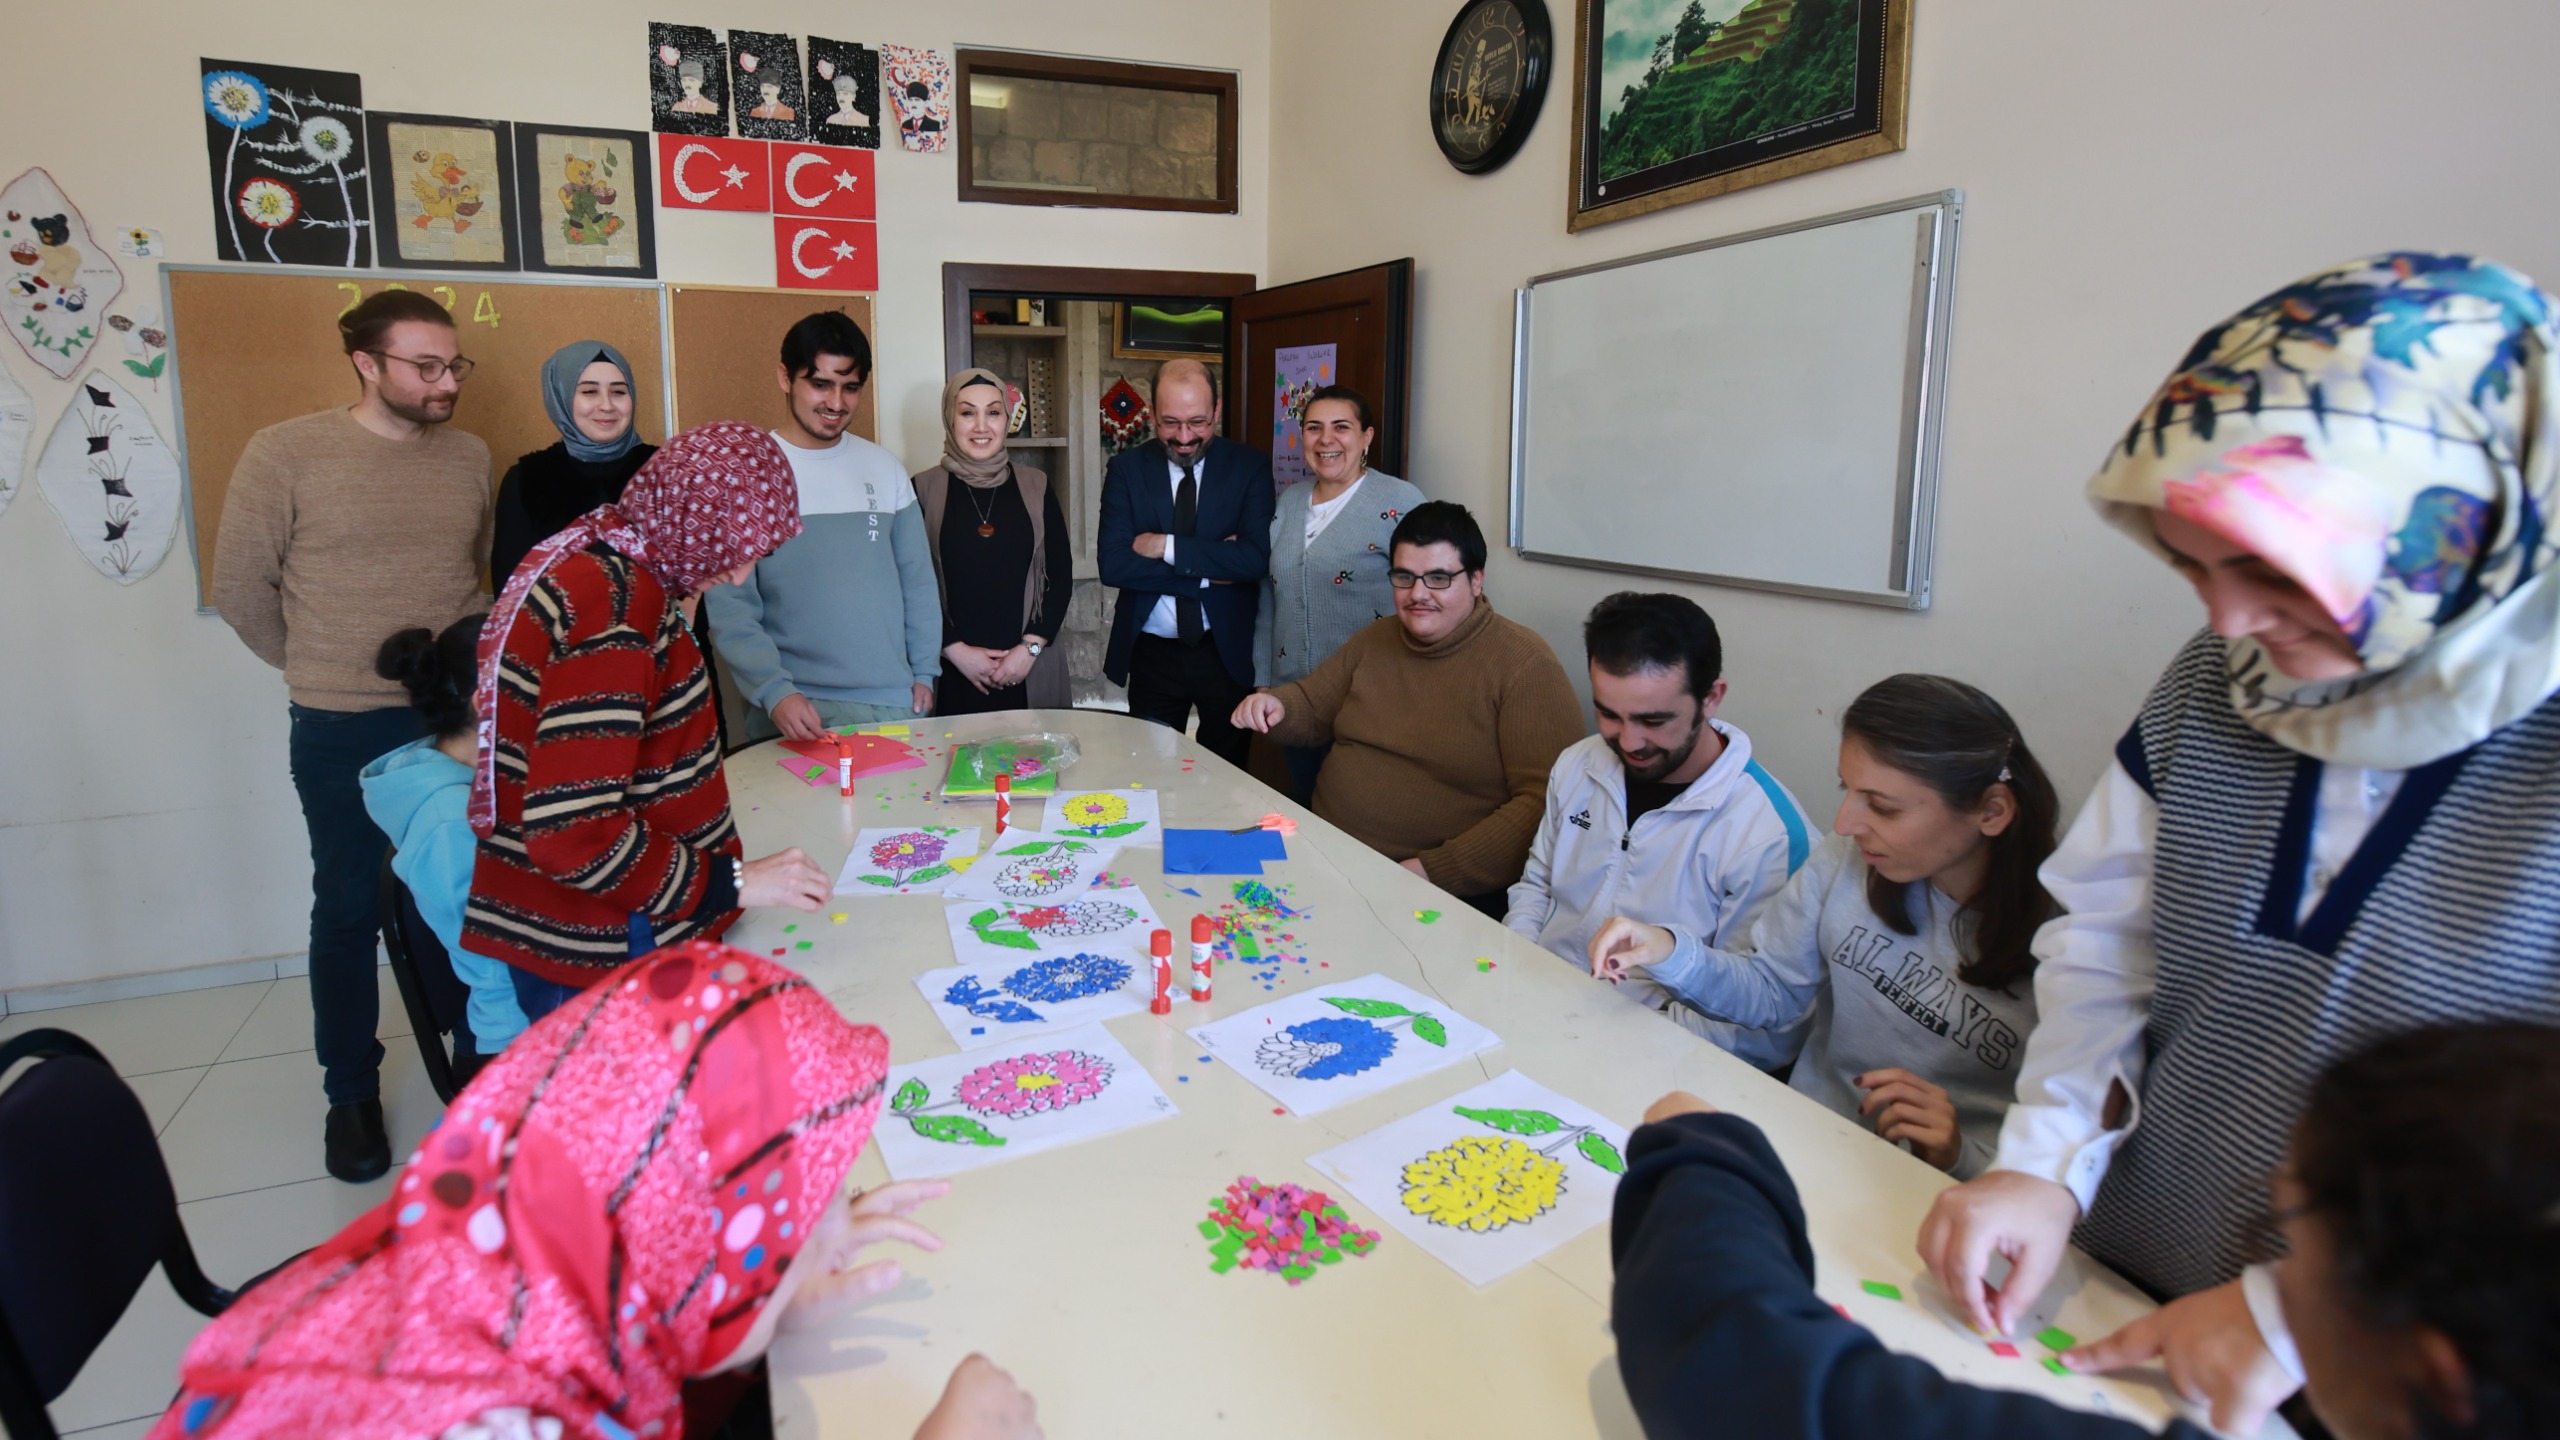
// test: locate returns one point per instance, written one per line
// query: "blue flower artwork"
(1049, 982)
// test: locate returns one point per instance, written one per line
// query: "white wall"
(146, 819)
(2132, 174)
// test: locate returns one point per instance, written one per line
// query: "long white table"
(1083, 1271)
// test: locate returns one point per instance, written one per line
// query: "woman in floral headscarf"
(641, 1191)
(2336, 817)
(603, 817)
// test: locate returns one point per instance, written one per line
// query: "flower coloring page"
(285, 153)
(907, 859)
(1320, 1048)
(1126, 816)
(983, 1005)
(1026, 867)
(1489, 1180)
(958, 1112)
(989, 935)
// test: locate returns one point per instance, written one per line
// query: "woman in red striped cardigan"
(603, 818)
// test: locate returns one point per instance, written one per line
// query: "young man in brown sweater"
(341, 528)
(1444, 719)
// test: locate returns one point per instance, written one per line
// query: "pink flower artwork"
(1030, 1084)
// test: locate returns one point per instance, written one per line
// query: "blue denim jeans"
(327, 748)
(539, 997)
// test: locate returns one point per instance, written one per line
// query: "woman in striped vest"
(2336, 817)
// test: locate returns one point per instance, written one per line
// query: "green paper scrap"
(2054, 1337)
(1878, 1287)
(806, 945)
(1209, 1229)
(2056, 1366)
(1426, 916)
(787, 929)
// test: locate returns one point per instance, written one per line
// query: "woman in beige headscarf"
(1001, 555)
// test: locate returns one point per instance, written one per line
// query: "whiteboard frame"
(1924, 407)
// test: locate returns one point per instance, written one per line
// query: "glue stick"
(1004, 802)
(844, 764)
(1204, 936)
(1160, 946)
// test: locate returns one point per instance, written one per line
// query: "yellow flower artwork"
(1482, 1182)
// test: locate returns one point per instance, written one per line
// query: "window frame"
(1014, 64)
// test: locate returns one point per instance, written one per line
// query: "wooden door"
(1277, 338)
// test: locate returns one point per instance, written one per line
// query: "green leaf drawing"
(1429, 1028)
(1514, 1122)
(1042, 847)
(880, 880)
(910, 1095)
(1009, 939)
(954, 1130)
(1595, 1147)
(1114, 832)
(1370, 1009)
(928, 875)
(150, 371)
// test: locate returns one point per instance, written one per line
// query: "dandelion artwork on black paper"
(285, 148)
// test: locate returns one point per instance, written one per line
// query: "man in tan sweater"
(1444, 719)
(341, 528)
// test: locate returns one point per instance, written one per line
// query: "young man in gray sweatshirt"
(842, 625)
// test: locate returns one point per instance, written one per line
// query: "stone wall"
(1108, 139)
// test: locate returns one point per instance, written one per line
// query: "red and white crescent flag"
(824, 180)
(816, 253)
(704, 172)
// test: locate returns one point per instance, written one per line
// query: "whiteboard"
(1760, 410)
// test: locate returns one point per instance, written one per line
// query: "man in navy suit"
(1186, 540)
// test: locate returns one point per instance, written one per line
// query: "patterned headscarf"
(2382, 433)
(602, 1214)
(713, 498)
(560, 376)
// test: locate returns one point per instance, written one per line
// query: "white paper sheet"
(907, 859)
(1103, 922)
(17, 426)
(1128, 817)
(115, 485)
(1320, 1048)
(1490, 1180)
(1026, 867)
(983, 1005)
(958, 1112)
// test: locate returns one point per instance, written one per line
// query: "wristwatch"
(1033, 646)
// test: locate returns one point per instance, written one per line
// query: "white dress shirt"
(1162, 621)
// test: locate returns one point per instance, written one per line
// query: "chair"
(435, 997)
(86, 1209)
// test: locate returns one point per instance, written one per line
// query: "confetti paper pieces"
(838, 917)
(1427, 917)
(2004, 1349)
(1483, 965)
(1880, 1288)
(1284, 1229)
(2056, 1339)
(2056, 1366)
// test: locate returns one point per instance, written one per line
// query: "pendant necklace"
(986, 512)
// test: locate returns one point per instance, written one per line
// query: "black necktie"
(1186, 514)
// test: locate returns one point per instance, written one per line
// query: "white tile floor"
(229, 1080)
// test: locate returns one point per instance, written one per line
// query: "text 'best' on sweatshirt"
(846, 610)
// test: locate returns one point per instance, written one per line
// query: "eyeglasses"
(433, 367)
(1433, 579)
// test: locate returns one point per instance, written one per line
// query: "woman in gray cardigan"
(1328, 554)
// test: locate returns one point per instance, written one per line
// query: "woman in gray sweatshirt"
(1907, 933)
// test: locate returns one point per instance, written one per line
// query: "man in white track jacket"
(1663, 816)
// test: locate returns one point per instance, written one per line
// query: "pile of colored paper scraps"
(1280, 1228)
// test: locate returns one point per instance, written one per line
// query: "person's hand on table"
(924, 698)
(1150, 545)
(834, 1281)
(2212, 1350)
(982, 1402)
(2003, 1213)
(1414, 864)
(787, 878)
(1902, 1106)
(1258, 713)
(1621, 944)
(1678, 1102)
(797, 718)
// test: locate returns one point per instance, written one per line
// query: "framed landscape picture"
(1679, 100)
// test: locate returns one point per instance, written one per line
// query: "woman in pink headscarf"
(604, 821)
(640, 1191)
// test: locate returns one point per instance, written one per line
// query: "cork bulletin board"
(727, 342)
(258, 345)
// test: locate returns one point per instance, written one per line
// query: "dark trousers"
(538, 997)
(327, 748)
(1168, 678)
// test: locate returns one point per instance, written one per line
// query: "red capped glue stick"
(844, 764)
(1160, 946)
(1204, 937)
(1004, 803)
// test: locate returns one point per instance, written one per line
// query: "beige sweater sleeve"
(248, 559)
(1538, 719)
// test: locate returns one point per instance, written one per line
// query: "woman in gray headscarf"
(587, 391)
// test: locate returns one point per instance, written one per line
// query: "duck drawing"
(442, 195)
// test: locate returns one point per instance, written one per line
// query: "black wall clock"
(1489, 81)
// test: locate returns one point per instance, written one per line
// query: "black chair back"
(86, 1209)
(435, 997)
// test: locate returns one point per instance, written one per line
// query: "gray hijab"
(560, 386)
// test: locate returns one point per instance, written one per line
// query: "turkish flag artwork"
(705, 172)
(816, 253)
(823, 180)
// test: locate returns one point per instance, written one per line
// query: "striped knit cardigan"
(2449, 911)
(610, 798)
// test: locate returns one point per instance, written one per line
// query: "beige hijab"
(984, 474)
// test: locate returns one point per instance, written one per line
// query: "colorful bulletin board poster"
(958, 1112)
(1297, 371)
(286, 153)
(1320, 1048)
(1490, 1180)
